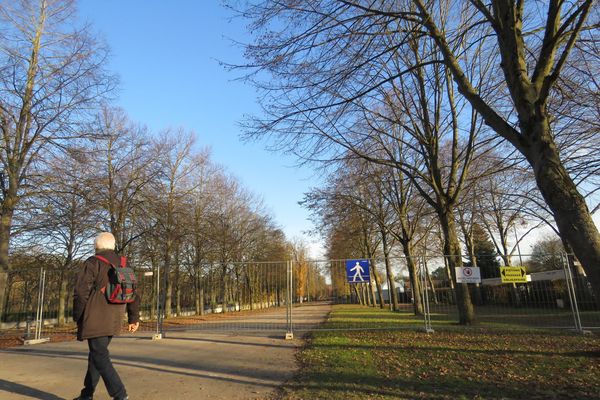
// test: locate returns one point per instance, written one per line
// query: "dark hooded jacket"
(94, 315)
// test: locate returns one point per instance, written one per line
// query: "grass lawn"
(481, 362)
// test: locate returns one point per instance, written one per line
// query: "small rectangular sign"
(149, 273)
(513, 274)
(468, 275)
(357, 271)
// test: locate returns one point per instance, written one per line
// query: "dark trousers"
(100, 365)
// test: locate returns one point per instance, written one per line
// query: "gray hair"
(104, 241)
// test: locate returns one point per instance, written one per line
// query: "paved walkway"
(186, 365)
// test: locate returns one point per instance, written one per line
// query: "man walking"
(99, 319)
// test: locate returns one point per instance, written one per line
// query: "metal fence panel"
(293, 296)
(249, 296)
(39, 304)
(376, 294)
(550, 299)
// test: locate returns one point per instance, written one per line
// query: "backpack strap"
(104, 260)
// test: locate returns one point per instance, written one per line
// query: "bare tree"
(51, 74)
(177, 183)
(502, 203)
(505, 58)
(236, 221)
(63, 222)
(301, 268)
(199, 234)
(124, 164)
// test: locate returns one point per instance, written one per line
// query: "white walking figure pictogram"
(359, 270)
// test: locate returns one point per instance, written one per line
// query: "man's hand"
(133, 327)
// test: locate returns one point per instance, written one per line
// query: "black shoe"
(84, 398)
(121, 398)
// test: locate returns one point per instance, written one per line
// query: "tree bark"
(367, 294)
(177, 283)
(372, 289)
(453, 253)
(477, 292)
(168, 296)
(415, 284)
(430, 281)
(224, 287)
(378, 284)
(167, 277)
(5, 229)
(534, 140)
(3, 293)
(571, 213)
(390, 273)
(62, 299)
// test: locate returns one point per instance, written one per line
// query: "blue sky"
(166, 53)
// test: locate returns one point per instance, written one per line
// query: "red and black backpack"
(121, 282)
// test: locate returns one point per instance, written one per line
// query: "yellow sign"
(513, 274)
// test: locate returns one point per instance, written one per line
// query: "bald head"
(104, 241)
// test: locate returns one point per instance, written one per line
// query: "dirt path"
(200, 364)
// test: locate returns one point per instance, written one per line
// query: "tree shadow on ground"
(355, 385)
(203, 369)
(17, 388)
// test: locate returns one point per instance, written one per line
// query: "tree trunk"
(378, 284)
(478, 298)
(224, 287)
(372, 288)
(357, 294)
(536, 142)
(5, 229)
(239, 287)
(177, 283)
(62, 299)
(199, 294)
(3, 293)
(582, 293)
(447, 265)
(167, 277)
(178, 299)
(415, 284)
(26, 300)
(390, 273)
(168, 297)
(213, 293)
(430, 281)
(367, 294)
(466, 314)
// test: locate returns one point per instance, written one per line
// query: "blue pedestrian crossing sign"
(357, 271)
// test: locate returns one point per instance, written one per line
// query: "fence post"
(39, 314)
(425, 294)
(289, 294)
(39, 303)
(42, 304)
(159, 326)
(572, 294)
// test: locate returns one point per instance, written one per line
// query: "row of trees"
(72, 165)
(426, 109)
